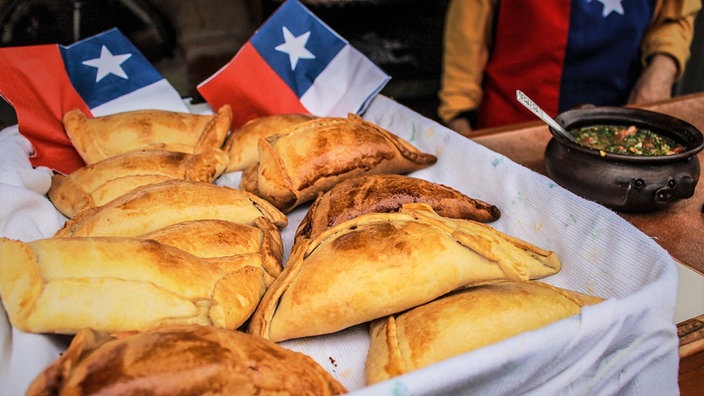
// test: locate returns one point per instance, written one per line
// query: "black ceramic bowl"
(626, 183)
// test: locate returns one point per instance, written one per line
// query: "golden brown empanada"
(311, 157)
(101, 182)
(463, 321)
(378, 264)
(180, 360)
(386, 193)
(106, 136)
(227, 244)
(61, 285)
(242, 142)
(155, 206)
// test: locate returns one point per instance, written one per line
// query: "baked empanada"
(463, 321)
(106, 136)
(311, 157)
(98, 183)
(156, 206)
(379, 264)
(242, 142)
(227, 244)
(61, 285)
(182, 360)
(386, 193)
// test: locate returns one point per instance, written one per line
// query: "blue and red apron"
(591, 57)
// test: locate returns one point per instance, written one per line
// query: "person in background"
(562, 54)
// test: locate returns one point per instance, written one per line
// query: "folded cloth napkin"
(25, 213)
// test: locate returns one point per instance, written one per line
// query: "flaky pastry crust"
(387, 193)
(61, 285)
(103, 137)
(226, 244)
(99, 183)
(464, 321)
(312, 157)
(379, 264)
(242, 143)
(179, 360)
(155, 206)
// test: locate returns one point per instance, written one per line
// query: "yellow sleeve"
(671, 31)
(466, 41)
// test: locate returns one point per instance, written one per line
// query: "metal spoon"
(533, 107)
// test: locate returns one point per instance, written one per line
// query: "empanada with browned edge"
(312, 157)
(181, 360)
(103, 137)
(61, 285)
(155, 206)
(387, 193)
(379, 264)
(464, 321)
(101, 182)
(242, 143)
(227, 244)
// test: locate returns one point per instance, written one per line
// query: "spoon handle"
(532, 106)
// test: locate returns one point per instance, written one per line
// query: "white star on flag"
(108, 64)
(611, 6)
(295, 47)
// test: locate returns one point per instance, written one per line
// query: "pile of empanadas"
(154, 247)
(150, 239)
(127, 150)
(171, 252)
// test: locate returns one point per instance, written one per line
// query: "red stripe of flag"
(35, 82)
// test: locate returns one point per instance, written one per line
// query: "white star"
(295, 47)
(611, 6)
(108, 64)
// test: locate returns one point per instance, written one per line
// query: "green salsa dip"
(628, 140)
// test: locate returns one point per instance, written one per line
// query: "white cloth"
(626, 345)
(26, 214)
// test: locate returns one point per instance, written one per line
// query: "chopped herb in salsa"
(625, 140)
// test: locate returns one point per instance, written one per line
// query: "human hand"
(655, 83)
(460, 125)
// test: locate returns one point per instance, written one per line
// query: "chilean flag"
(294, 63)
(103, 74)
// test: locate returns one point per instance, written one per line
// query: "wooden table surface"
(678, 228)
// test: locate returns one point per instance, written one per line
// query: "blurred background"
(189, 40)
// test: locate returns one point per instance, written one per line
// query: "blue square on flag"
(308, 47)
(294, 63)
(106, 69)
